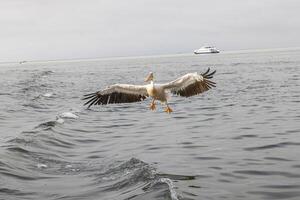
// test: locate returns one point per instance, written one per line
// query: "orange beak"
(149, 77)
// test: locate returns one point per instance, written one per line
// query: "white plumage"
(187, 85)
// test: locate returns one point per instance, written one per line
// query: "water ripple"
(267, 173)
(270, 146)
(276, 195)
(236, 141)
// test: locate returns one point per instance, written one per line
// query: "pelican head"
(149, 77)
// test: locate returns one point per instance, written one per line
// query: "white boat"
(206, 49)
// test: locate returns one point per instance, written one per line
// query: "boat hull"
(206, 52)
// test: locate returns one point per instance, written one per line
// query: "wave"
(48, 94)
(46, 125)
(43, 157)
(50, 124)
(34, 106)
(68, 115)
(35, 83)
(169, 182)
(132, 179)
(268, 173)
(280, 62)
(136, 174)
(276, 195)
(271, 146)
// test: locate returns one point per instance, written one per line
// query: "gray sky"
(65, 29)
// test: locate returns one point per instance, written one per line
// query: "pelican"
(188, 85)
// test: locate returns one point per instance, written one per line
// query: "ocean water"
(240, 140)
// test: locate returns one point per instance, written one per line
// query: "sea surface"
(240, 140)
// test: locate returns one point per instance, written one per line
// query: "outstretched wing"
(191, 84)
(118, 93)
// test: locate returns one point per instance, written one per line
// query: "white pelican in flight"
(186, 86)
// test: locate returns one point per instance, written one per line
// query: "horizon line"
(144, 56)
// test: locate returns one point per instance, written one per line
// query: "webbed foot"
(152, 106)
(168, 110)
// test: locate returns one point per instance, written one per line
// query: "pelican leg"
(168, 109)
(152, 105)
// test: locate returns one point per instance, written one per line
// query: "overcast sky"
(65, 29)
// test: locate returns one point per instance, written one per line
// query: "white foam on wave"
(41, 165)
(60, 120)
(68, 115)
(49, 94)
(171, 187)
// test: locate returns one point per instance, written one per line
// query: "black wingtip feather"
(203, 74)
(92, 103)
(85, 98)
(208, 75)
(199, 86)
(92, 99)
(98, 99)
